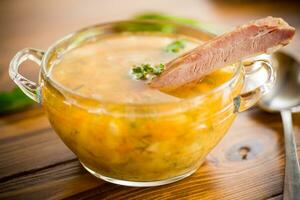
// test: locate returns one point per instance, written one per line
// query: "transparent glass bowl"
(141, 144)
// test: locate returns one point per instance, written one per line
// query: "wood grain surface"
(35, 164)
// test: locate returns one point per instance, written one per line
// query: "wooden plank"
(37, 150)
(26, 139)
(22, 123)
(53, 182)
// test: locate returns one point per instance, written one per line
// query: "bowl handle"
(260, 69)
(30, 88)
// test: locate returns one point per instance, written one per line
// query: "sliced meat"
(261, 36)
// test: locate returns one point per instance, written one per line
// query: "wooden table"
(35, 164)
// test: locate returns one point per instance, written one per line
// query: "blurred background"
(35, 23)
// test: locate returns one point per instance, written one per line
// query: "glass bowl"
(141, 144)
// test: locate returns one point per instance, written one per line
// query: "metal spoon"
(285, 98)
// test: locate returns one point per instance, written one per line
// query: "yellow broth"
(134, 132)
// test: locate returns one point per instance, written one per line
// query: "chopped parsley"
(176, 46)
(144, 71)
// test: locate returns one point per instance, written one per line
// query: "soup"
(121, 128)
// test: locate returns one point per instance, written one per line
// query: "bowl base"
(140, 183)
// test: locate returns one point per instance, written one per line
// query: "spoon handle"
(292, 171)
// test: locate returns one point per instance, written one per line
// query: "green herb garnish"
(159, 69)
(144, 71)
(176, 46)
